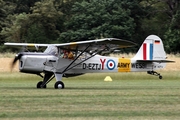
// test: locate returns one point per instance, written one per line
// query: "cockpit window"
(85, 55)
(53, 50)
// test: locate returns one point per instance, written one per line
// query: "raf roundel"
(111, 64)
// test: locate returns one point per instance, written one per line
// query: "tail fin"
(151, 49)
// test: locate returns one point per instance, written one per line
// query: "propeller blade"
(17, 57)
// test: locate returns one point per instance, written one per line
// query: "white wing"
(81, 45)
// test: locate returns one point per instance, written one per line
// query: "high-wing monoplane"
(77, 58)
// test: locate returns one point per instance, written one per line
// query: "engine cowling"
(32, 63)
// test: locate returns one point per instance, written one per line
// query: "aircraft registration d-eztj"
(77, 58)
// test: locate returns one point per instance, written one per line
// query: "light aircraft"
(88, 58)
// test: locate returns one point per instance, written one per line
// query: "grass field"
(130, 96)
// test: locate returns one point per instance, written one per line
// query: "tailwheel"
(39, 85)
(155, 73)
(59, 85)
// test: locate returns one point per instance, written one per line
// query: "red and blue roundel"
(111, 64)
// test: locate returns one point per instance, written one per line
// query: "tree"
(18, 28)
(6, 8)
(163, 20)
(46, 15)
(98, 19)
(172, 35)
(2, 17)
(24, 6)
(39, 26)
(36, 34)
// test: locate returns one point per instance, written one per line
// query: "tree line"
(59, 21)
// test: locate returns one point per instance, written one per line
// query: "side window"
(67, 54)
(54, 51)
(84, 56)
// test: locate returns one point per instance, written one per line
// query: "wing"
(111, 43)
(26, 44)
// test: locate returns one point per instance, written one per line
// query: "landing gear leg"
(46, 80)
(59, 84)
(154, 73)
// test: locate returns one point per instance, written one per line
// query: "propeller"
(17, 57)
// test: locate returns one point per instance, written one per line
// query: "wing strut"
(68, 67)
(75, 59)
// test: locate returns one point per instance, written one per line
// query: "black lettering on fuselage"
(92, 66)
(138, 65)
(84, 65)
(123, 65)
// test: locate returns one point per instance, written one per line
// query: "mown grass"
(132, 96)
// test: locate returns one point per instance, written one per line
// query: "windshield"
(51, 50)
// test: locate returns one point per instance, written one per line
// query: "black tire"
(160, 77)
(59, 85)
(39, 84)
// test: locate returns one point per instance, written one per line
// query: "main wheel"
(39, 85)
(160, 77)
(59, 85)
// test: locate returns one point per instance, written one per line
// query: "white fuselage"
(96, 64)
(103, 64)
